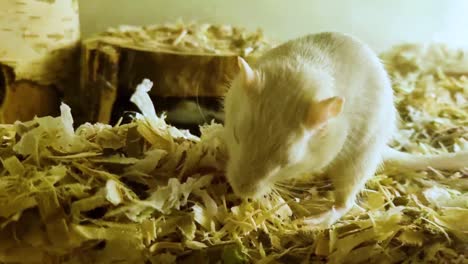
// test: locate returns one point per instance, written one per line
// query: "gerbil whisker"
(292, 187)
(276, 192)
(279, 188)
(283, 191)
(198, 102)
(291, 190)
(305, 187)
(311, 181)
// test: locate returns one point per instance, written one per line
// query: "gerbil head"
(269, 120)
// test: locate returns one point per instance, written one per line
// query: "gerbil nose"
(246, 190)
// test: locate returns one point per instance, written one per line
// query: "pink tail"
(445, 161)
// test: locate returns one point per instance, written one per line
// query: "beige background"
(381, 23)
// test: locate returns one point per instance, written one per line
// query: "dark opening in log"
(3, 81)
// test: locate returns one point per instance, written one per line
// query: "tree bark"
(39, 52)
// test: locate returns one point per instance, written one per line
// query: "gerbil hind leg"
(349, 176)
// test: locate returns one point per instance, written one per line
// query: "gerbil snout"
(249, 189)
(250, 185)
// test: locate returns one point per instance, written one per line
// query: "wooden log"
(39, 55)
(183, 61)
(25, 99)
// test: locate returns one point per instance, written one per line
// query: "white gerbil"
(319, 103)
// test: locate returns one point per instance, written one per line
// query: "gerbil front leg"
(349, 176)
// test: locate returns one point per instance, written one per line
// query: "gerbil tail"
(444, 161)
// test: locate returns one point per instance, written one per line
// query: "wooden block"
(116, 61)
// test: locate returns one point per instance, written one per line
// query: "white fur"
(273, 142)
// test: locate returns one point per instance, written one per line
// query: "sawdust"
(147, 192)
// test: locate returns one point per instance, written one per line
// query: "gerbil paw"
(326, 219)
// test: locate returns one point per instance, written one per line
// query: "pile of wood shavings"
(147, 192)
(194, 38)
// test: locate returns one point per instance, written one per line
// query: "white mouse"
(322, 103)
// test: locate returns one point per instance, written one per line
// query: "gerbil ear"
(320, 112)
(247, 75)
